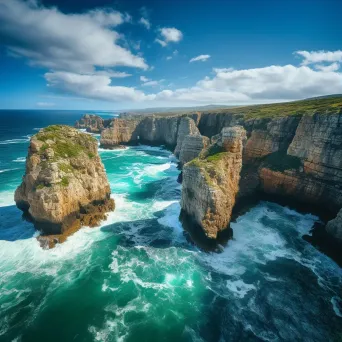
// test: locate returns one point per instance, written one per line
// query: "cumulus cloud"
(64, 42)
(144, 79)
(93, 86)
(145, 22)
(169, 34)
(311, 57)
(201, 58)
(331, 67)
(267, 84)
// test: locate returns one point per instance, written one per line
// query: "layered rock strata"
(92, 123)
(211, 182)
(65, 184)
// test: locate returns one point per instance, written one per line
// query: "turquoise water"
(138, 278)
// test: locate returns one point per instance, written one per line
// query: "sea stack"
(65, 185)
(211, 182)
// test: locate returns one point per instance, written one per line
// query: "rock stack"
(65, 184)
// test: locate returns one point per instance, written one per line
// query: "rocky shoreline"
(293, 155)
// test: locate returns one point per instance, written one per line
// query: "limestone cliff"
(187, 127)
(121, 131)
(65, 185)
(92, 123)
(211, 182)
(191, 148)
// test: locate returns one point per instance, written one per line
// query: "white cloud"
(161, 42)
(93, 86)
(168, 58)
(227, 86)
(144, 79)
(201, 58)
(150, 83)
(145, 22)
(65, 42)
(327, 68)
(311, 57)
(169, 34)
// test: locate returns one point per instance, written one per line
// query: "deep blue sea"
(138, 278)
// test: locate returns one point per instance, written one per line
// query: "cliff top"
(323, 105)
(65, 141)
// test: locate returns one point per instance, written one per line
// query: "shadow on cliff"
(13, 225)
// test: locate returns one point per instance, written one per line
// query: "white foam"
(6, 198)
(14, 141)
(8, 170)
(239, 288)
(337, 305)
(155, 169)
(20, 160)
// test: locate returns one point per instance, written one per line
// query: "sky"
(125, 54)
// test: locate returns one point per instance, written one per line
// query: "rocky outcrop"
(191, 148)
(92, 123)
(121, 131)
(65, 185)
(187, 127)
(334, 227)
(211, 182)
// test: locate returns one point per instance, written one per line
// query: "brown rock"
(211, 184)
(64, 178)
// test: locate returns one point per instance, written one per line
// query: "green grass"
(63, 145)
(65, 181)
(329, 105)
(65, 167)
(40, 186)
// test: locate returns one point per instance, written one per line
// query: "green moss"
(65, 181)
(91, 155)
(65, 167)
(40, 186)
(44, 147)
(67, 149)
(216, 157)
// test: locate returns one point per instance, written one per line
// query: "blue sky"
(122, 54)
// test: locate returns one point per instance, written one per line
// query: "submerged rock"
(65, 185)
(211, 182)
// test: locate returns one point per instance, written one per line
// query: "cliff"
(293, 151)
(92, 123)
(211, 182)
(65, 185)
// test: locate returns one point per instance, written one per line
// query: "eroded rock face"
(192, 147)
(187, 126)
(92, 123)
(121, 131)
(210, 183)
(65, 185)
(334, 227)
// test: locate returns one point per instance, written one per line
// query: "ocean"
(139, 278)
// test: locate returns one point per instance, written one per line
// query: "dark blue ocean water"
(137, 278)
